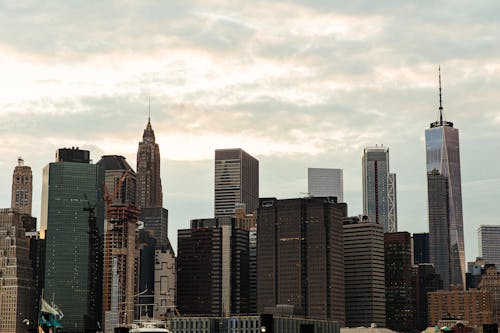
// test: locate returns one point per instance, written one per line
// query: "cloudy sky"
(297, 84)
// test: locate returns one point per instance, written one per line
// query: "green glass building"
(72, 225)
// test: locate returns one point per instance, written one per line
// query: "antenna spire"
(149, 108)
(440, 99)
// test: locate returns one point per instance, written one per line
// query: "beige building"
(22, 190)
(490, 281)
(474, 306)
(165, 282)
(16, 279)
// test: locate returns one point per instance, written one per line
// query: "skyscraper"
(236, 181)
(489, 243)
(149, 190)
(400, 295)
(421, 248)
(364, 272)
(323, 182)
(120, 248)
(22, 188)
(443, 165)
(300, 256)
(72, 224)
(379, 188)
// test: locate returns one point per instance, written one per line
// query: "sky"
(297, 84)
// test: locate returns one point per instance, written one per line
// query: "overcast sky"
(296, 84)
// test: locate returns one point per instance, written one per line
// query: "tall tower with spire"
(444, 189)
(149, 190)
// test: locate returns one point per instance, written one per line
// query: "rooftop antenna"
(440, 99)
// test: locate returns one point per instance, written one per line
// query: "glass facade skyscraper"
(379, 188)
(443, 159)
(72, 225)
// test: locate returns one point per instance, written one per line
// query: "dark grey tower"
(443, 165)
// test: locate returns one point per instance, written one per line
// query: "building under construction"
(120, 244)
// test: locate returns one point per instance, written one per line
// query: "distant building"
(155, 221)
(212, 268)
(300, 256)
(324, 182)
(22, 188)
(489, 243)
(236, 181)
(474, 306)
(17, 294)
(426, 280)
(446, 236)
(490, 281)
(165, 283)
(72, 225)
(379, 188)
(120, 263)
(421, 248)
(400, 295)
(37, 257)
(364, 272)
(149, 189)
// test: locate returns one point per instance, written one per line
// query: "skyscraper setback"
(379, 188)
(149, 190)
(444, 180)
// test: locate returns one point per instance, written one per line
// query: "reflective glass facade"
(73, 273)
(443, 158)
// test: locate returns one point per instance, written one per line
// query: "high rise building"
(22, 188)
(300, 256)
(364, 272)
(236, 181)
(325, 183)
(165, 283)
(490, 281)
(72, 225)
(149, 189)
(489, 243)
(213, 268)
(443, 159)
(400, 296)
(155, 221)
(17, 295)
(426, 280)
(421, 248)
(37, 257)
(120, 247)
(379, 188)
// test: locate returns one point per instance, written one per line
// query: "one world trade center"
(444, 190)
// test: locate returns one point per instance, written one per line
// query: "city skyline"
(224, 76)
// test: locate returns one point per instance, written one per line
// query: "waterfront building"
(446, 236)
(400, 296)
(474, 306)
(323, 182)
(489, 243)
(364, 272)
(149, 188)
(300, 256)
(72, 225)
(236, 181)
(17, 294)
(490, 281)
(22, 188)
(379, 188)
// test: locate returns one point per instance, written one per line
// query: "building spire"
(440, 99)
(149, 108)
